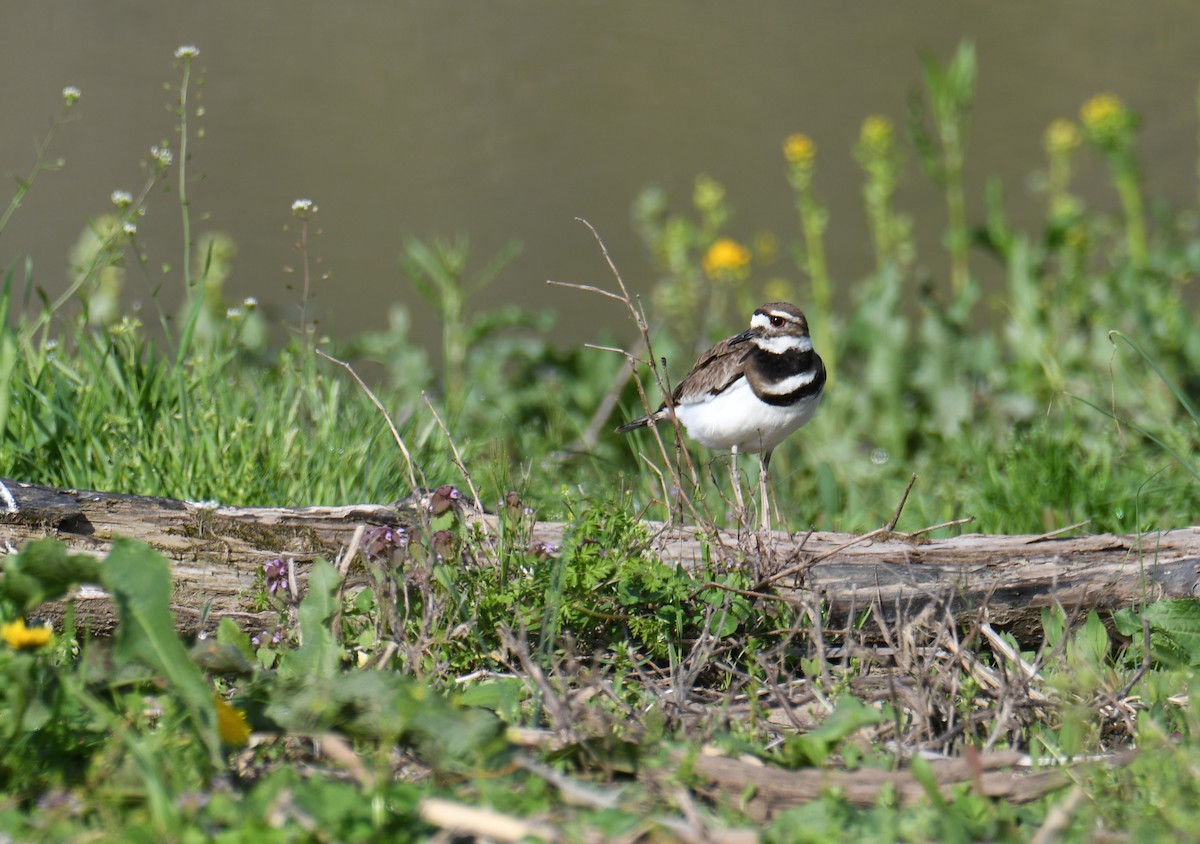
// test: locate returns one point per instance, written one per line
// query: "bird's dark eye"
(777, 321)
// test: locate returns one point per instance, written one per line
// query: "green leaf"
(1054, 625)
(1092, 639)
(923, 773)
(217, 657)
(229, 633)
(8, 361)
(139, 581)
(318, 655)
(1127, 621)
(502, 695)
(814, 747)
(1179, 622)
(43, 571)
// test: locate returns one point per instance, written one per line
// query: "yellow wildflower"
(1061, 136)
(1100, 109)
(726, 259)
(231, 723)
(876, 134)
(22, 638)
(799, 149)
(1107, 120)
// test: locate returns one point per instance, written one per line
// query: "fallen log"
(217, 555)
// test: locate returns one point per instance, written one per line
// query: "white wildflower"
(130, 228)
(250, 303)
(71, 95)
(187, 51)
(303, 207)
(162, 155)
(122, 198)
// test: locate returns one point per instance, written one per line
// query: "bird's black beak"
(743, 337)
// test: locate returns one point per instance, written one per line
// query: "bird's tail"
(634, 425)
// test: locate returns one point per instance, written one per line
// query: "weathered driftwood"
(218, 552)
(765, 790)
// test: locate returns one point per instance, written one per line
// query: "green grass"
(1067, 396)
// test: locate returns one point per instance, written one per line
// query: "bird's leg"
(737, 485)
(764, 460)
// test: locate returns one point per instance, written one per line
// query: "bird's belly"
(739, 418)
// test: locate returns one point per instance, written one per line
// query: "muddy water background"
(508, 120)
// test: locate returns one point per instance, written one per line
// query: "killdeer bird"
(750, 391)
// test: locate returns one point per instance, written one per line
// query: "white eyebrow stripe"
(782, 344)
(790, 384)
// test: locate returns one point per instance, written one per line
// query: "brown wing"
(716, 370)
(713, 373)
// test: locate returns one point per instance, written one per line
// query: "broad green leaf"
(1127, 621)
(813, 747)
(923, 773)
(1092, 638)
(1053, 625)
(217, 657)
(229, 633)
(139, 581)
(318, 655)
(1179, 622)
(43, 571)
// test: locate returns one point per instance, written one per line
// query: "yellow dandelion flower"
(876, 133)
(1101, 109)
(1107, 121)
(1061, 136)
(21, 638)
(726, 259)
(799, 149)
(231, 723)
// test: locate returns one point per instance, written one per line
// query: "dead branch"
(217, 554)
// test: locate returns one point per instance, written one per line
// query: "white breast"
(737, 417)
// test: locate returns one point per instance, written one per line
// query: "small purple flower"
(442, 544)
(543, 550)
(275, 638)
(444, 498)
(276, 573)
(382, 542)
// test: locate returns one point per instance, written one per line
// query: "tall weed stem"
(801, 154)
(1112, 128)
(950, 91)
(195, 303)
(70, 96)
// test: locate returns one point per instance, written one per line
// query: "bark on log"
(218, 552)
